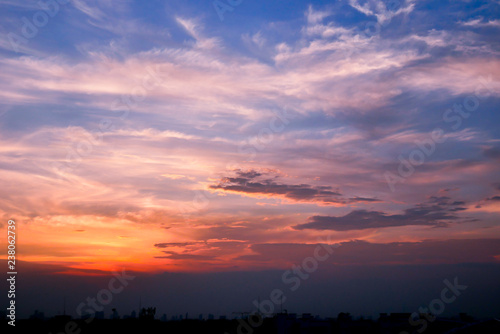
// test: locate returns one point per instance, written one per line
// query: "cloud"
(363, 199)
(480, 23)
(316, 16)
(256, 40)
(191, 26)
(93, 12)
(437, 212)
(255, 183)
(194, 28)
(212, 251)
(178, 256)
(246, 183)
(492, 152)
(379, 9)
(173, 244)
(358, 252)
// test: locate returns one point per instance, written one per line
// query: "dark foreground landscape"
(397, 323)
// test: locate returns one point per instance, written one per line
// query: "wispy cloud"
(379, 9)
(481, 22)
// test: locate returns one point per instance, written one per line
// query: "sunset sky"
(181, 136)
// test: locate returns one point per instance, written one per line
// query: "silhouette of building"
(99, 315)
(131, 316)
(114, 315)
(147, 313)
(37, 315)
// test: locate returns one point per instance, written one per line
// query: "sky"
(195, 138)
